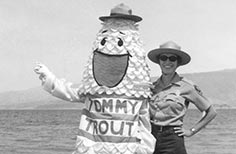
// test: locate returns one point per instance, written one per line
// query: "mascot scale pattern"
(115, 89)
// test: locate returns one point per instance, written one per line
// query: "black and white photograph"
(117, 77)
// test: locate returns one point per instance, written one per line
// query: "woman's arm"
(209, 115)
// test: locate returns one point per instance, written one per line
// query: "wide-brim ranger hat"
(121, 11)
(169, 47)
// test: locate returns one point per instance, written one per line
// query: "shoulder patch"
(198, 89)
(194, 86)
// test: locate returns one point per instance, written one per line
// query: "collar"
(174, 81)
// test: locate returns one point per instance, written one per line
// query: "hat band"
(117, 14)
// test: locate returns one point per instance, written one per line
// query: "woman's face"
(168, 63)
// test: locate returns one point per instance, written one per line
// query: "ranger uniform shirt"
(169, 104)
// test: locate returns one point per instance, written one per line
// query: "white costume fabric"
(114, 89)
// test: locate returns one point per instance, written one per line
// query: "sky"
(60, 33)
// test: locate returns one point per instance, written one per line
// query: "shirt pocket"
(174, 104)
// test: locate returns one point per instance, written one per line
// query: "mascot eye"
(120, 42)
(103, 41)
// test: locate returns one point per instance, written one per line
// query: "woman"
(171, 97)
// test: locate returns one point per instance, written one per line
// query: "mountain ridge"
(218, 86)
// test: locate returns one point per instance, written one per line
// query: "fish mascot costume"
(115, 89)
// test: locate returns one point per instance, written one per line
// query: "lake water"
(54, 132)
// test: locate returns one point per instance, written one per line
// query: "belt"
(162, 128)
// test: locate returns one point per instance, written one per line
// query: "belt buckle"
(161, 128)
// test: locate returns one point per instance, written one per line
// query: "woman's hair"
(179, 60)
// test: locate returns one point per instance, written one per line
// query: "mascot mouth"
(109, 70)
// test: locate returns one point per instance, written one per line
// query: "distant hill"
(35, 98)
(218, 86)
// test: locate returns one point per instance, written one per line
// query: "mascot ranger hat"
(123, 12)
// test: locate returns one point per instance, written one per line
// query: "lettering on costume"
(112, 124)
(120, 131)
(133, 106)
(108, 127)
(115, 105)
(120, 105)
(107, 104)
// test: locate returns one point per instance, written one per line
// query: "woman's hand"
(152, 109)
(208, 116)
(183, 132)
